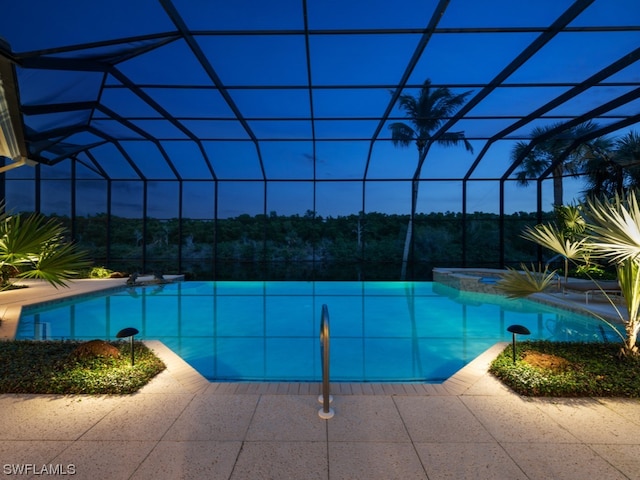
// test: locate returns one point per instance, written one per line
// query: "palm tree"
(613, 167)
(33, 247)
(604, 176)
(426, 113)
(547, 152)
(628, 148)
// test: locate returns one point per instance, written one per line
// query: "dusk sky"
(253, 83)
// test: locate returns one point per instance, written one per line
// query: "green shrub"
(100, 272)
(593, 272)
(593, 370)
(50, 367)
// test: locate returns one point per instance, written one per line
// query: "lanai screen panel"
(211, 111)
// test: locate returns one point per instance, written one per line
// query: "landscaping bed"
(72, 367)
(563, 369)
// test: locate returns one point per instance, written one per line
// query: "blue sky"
(346, 88)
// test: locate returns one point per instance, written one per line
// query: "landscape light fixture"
(517, 329)
(128, 332)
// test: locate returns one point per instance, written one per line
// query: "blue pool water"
(269, 331)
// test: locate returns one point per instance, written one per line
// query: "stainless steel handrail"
(326, 411)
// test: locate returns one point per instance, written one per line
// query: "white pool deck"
(180, 426)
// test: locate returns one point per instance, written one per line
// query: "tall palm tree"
(426, 112)
(547, 152)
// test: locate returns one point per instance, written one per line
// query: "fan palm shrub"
(521, 283)
(32, 246)
(612, 234)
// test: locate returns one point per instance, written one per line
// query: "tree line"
(301, 246)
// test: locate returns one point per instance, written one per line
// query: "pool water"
(269, 331)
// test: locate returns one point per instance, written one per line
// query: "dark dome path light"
(128, 332)
(517, 329)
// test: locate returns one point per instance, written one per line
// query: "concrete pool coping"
(182, 426)
(182, 375)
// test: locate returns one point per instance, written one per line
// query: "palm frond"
(520, 284)
(427, 112)
(22, 237)
(628, 149)
(533, 162)
(58, 263)
(572, 219)
(402, 134)
(37, 248)
(409, 105)
(615, 227)
(455, 138)
(550, 237)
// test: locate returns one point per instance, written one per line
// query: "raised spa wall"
(481, 280)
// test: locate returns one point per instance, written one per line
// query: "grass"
(561, 369)
(52, 367)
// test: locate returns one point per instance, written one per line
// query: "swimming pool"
(269, 331)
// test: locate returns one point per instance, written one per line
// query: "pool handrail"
(326, 412)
